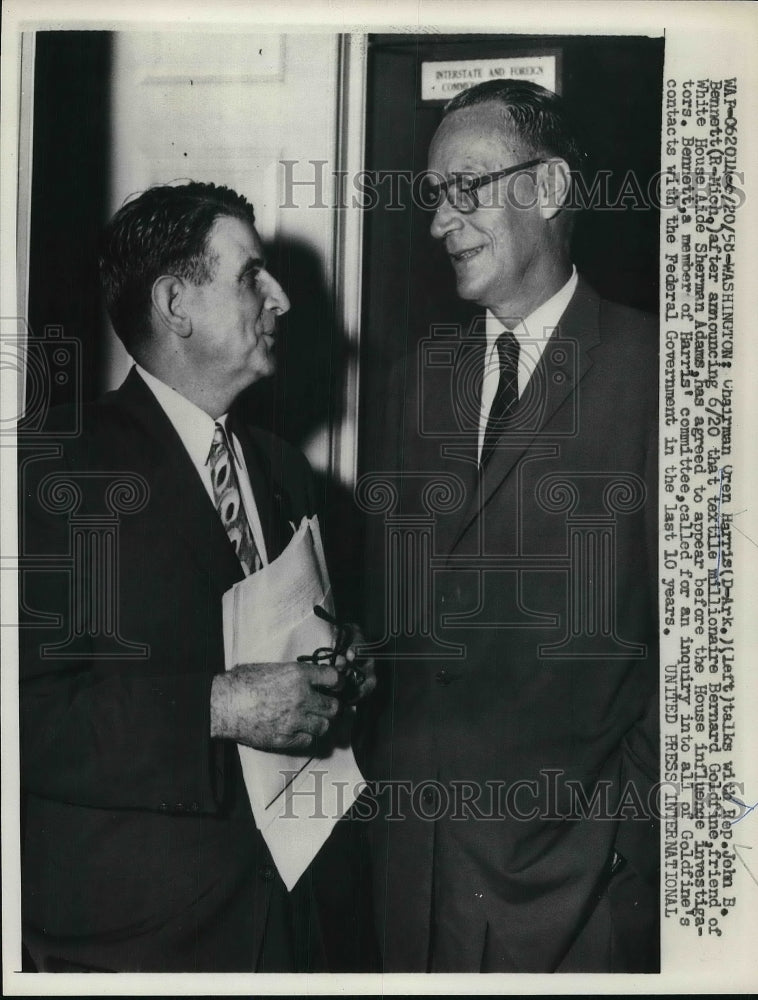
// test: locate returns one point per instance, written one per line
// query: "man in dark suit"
(522, 832)
(140, 850)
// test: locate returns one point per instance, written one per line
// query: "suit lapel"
(271, 499)
(459, 455)
(177, 496)
(468, 378)
(564, 362)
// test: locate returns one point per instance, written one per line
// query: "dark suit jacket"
(466, 892)
(140, 851)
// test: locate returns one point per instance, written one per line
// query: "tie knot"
(220, 442)
(507, 350)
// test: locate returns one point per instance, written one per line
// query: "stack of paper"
(268, 618)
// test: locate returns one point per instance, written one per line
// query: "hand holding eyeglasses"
(356, 682)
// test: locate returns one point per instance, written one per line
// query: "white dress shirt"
(196, 429)
(532, 333)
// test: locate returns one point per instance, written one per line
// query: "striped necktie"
(226, 493)
(506, 396)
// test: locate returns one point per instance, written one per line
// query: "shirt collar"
(544, 318)
(194, 426)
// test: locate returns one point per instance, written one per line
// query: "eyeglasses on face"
(462, 192)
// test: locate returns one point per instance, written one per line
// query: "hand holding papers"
(268, 618)
(281, 707)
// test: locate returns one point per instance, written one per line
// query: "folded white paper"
(268, 618)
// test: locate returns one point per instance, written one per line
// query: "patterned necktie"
(506, 397)
(226, 492)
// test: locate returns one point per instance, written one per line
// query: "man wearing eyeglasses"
(532, 845)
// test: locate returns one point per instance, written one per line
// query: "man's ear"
(169, 301)
(553, 187)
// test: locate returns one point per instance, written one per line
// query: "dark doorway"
(70, 179)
